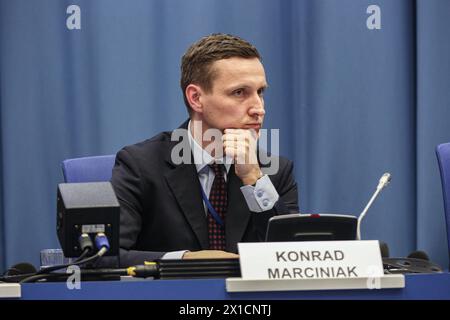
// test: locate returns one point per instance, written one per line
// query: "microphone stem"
(363, 214)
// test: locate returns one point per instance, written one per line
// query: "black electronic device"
(87, 208)
(409, 265)
(321, 227)
(311, 227)
(415, 262)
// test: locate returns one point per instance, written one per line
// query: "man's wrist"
(262, 196)
(252, 178)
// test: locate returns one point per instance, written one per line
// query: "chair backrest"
(88, 169)
(443, 155)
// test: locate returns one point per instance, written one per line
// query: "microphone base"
(409, 265)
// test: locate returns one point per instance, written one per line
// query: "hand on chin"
(240, 145)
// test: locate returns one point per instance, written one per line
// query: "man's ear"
(193, 94)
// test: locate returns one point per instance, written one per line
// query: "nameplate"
(10, 290)
(310, 260)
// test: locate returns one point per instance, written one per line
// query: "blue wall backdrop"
(351, 102)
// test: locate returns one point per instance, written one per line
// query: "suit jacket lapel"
(238, 215)
(184, 183)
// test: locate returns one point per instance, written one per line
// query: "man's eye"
(238, 92)
(261, 92)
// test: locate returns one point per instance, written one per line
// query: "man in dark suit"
(199, 190)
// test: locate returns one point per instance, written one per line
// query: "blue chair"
(443, 155)
(88, 169)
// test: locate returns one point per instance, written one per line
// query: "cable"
(101, 241)
(86, 246)
(102, 244)
(39, 275)
(62, 266)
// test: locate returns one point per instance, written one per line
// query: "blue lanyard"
(211, 210)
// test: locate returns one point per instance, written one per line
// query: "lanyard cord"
(211, 210)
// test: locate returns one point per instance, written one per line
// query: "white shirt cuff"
(174, 255)
(262, 196)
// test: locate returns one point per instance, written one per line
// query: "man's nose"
(257, 107)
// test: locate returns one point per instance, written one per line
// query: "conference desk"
(417, 286)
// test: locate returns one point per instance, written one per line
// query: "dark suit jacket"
(162, 208)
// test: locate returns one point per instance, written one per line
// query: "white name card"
(310, 260)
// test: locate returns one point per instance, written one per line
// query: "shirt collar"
(202, 158)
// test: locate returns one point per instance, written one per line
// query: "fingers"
(237, 133)
(239, 137)
(242, 150)
(240, 153)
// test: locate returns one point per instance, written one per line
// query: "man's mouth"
(253, 126)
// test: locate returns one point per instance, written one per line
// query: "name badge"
(310, 260)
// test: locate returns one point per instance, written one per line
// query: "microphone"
(18, 272)
(419, 255)
(20, 268)
(384, 181)
(416, 262)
